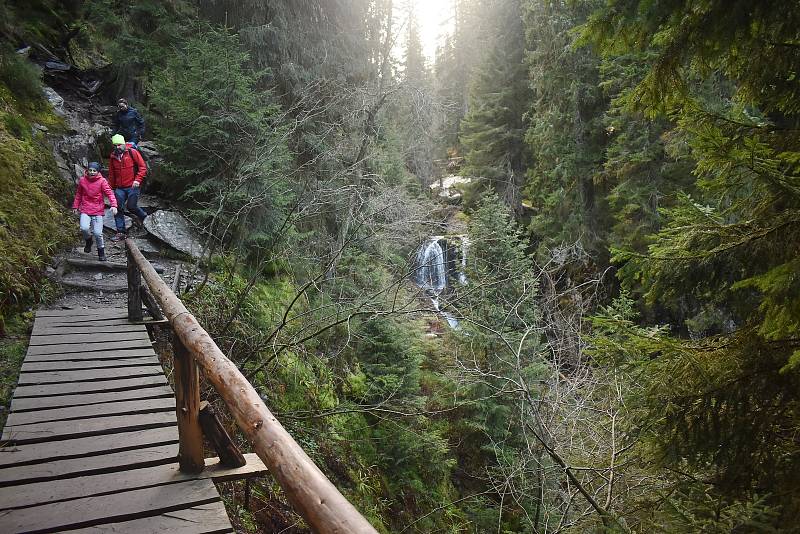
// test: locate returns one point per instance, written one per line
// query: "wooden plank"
(87, 375)
(36, 453)
(104, 265)
(98, 510)
(78, 321)
(111, 354)
(50, 330)
(84, 321)
(70, 365)
(85, 486)
(253, 467)
(93, 410)
(89, 465)
(49, 390)
(83, 312)
(53, 430)
(86, 399)
(90, 338)
(200, 519)
(70, 348)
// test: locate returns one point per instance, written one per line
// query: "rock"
(149, 248)
(93, 85)
(98, 276)
(63, 168)
(173, 229)
(447, 187)
(24, 51)
(108, 221)
(55, 99)
(152, 202)
(40, 127)
(148, 149)
(78, 169)
(57, 66)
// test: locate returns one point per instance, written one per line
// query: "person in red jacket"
(126, 171)
(89, 203)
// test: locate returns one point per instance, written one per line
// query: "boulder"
(447, 188)
(175, 230)
(108, 221)
(151, 203)
(148, 149)
(58, 66)
(55, 99)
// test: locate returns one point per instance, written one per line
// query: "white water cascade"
(431, 274)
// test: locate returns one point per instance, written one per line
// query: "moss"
(41, 21)
(12, 352)
(32, 224)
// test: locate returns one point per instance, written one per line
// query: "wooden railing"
(307, 488)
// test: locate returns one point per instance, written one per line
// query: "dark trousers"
(127, 197)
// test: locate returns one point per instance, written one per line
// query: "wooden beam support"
(312, 495)
(176, 280)
(150, 304)
(187, 397)
(134, 293)
(216, 434)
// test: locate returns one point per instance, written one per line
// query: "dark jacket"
(123, 170)
(129, 124)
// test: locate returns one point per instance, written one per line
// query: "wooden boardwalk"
(91, 440)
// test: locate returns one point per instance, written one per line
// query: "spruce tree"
(566, 136)
(493, 131)
(723, 406)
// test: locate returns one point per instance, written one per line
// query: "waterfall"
(452, 321)
(431, 274)
(462, 274)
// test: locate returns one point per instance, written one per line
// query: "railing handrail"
(307, 488)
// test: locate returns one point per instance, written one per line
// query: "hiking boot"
(101, 254)
(88, 247)
(119, 236)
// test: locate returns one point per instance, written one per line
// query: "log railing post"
(187, 397)
(134, 291)
(306, 487)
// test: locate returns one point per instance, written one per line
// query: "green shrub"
(21, 77)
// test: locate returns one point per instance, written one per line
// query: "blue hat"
(94, 165)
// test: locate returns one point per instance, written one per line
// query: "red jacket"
(89, 195)
(122, 172)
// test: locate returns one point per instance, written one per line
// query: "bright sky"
(435, 21)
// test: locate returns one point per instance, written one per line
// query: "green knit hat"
(117, 140)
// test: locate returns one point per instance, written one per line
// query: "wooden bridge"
(97, 441)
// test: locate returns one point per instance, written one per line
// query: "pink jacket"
(89, 195)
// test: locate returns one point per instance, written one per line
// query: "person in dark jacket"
(126, 172)
(128, 123)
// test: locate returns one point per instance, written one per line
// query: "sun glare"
(435, 18)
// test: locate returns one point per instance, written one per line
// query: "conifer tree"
(566, 135)
(493, 131)
(723, 407)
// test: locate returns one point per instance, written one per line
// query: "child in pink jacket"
(89, 203)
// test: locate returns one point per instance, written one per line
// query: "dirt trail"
(85, 283)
